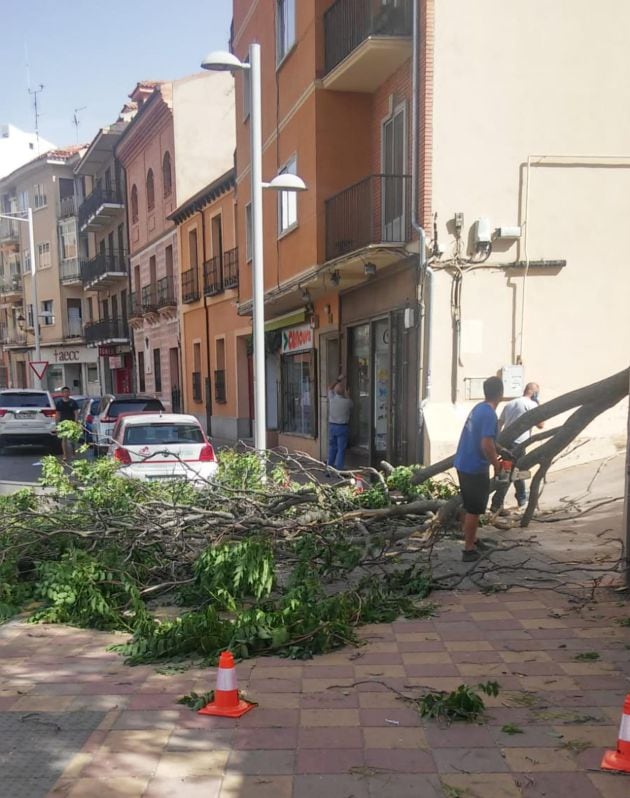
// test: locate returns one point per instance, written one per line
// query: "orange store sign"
(297, 339)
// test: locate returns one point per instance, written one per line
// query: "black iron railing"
(348, 23)
(212, 277)
(110, 263)
(9, 230)
(376, 210)
(70, 270)
(196, 386)
(149, 298)
(219, 386)
(67, 207)
(99, 332)
(230, 268)
(166, 292)
(134, 306)
(102, 195)
(190, 285)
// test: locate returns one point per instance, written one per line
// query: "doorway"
(329, 369)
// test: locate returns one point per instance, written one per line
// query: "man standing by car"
(67, 410)
(476, 451)
(513, 410)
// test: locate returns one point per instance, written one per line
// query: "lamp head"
(222, 61)
(286, 182)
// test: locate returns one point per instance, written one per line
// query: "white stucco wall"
(205, 130)
(512, 80)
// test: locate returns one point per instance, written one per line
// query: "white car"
(27, 417)
(162, 446)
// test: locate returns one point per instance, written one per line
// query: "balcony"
(67, 207)
(9, 231)
(166, 299)
(100, 208)
(134, 310)
(365, 42)
(190, 285)
(104, 270)
(230, 268)
(70, 272)
(11, 288)
(74, 328)
(212, 277)
(149, 299)
(15, 340)
(108, 331)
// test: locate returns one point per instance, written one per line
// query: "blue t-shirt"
(481, 423)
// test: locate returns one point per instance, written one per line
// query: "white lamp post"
(220, 61)
(31, 242)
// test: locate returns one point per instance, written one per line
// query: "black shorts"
(475, 490)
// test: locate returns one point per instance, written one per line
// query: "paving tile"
(331, 699)
(251, 739)
(467, 645)
(329, 717)
(270, 718)
(261, 762)
(602, 736)
(380, 700)
(398, 785)
(237, 786)
(330, 737)
(151, 719)
(390, 658)
(195, 787)
(471, 760)
(181, 764)
(475, 657)
(610, 785)
(136, 740)
(426, 658)
(313, 671)
(553, 785)
(465, 735)
(486, 785)
(328, 760)
(337, 786)
(533, 760)
(112, 787)
(403, 760)
(332, 684)
(128, 763)
(405, 716)
(394, 737)
(529, 736)
(199, 739)
(378, 671)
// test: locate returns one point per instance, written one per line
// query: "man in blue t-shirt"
(476, 451)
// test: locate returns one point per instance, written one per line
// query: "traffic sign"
(39, 367)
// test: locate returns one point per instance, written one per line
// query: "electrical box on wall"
(513, 377)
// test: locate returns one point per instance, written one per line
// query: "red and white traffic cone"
(620, 759)
(226, 703)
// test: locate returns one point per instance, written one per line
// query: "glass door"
(360, 392)
(381, 393)
(393, 186)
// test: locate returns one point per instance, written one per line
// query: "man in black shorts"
(67, 410)
(476, 451)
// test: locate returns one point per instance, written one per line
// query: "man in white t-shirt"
(513, 410)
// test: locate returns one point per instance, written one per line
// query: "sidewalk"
(77, 722)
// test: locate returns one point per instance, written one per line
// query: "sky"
(90, 54)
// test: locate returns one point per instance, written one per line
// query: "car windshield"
(94, 406)
(161, 433)
(134, 406)
(25, 399)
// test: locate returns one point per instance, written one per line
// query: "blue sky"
(92, 54)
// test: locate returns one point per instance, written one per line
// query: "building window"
(134, 204)
(43, 256)
(47, 316)
(220, 393)
(29, 316)
(298, 394)
(157, 370)
(248, 231)
(39, 196)
(142, 386)
(247, 91)
(287, 201)
(68, 239)
(196, 374)
(285, 28)
(23, 201)
(167, 178)
(150, 190)
(26, 261)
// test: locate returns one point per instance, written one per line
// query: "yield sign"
(39, 367)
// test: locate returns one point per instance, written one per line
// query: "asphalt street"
(21, 464)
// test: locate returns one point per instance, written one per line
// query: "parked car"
(88, 409)
(162, 446)
(27, 417)
(110, 407)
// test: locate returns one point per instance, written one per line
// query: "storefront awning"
(287, 320)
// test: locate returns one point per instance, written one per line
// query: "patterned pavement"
(332, 727)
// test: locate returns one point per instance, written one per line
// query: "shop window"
(299, 394)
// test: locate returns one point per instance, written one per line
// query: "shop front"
(116, 368)
(72, 365)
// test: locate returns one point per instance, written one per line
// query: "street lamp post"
(220, 61)
(31, 244)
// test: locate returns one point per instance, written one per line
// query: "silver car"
(27, 416)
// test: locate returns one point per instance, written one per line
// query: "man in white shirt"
(339, 409)
(513, 410)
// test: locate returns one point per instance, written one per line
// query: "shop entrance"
(377, 365)
(329, 368)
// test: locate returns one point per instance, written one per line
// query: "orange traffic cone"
(620, 759)
(227, 703)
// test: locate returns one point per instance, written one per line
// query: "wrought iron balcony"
(99, 208)
(190, 285)
(230, 268)
(73, 328)
(70, 271)
(376, 210)
(166, 293)
(67, 207)
(9, 231)
(11, 287)
(149, 299)
(108, 331)
(365, 42)
(134, 306)
(104, 270)
(212, 277)
(15, 339)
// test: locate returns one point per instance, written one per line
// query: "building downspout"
(205, 310)
(425, 272)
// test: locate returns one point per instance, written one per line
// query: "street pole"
(258, 271)
(31, 243)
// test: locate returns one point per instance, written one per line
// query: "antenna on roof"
(34, 93)
(76, 121)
